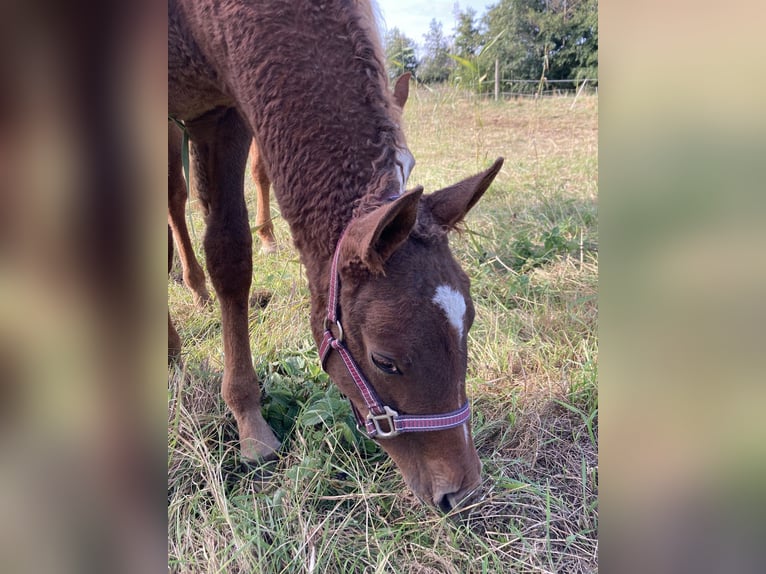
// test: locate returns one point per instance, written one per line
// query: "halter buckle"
(389, 415)
(327, 323)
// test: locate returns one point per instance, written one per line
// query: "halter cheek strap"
(381, 420)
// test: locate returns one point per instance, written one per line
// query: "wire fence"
(509, 89)
(514, 89)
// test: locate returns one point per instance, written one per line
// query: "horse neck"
(310, 82)
(321, 215)
(313, 89)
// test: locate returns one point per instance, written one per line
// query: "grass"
(335, 502)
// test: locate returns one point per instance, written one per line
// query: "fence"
(508, 89)
(513, 89)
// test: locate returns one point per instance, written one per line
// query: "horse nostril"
(449, 502)
(456, 500)
(445, 504)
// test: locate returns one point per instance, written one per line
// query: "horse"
(390, 305)
(193, 275)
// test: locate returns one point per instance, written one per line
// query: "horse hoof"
(203, 301)
(269, 248)
(256, 452)
(255, 473)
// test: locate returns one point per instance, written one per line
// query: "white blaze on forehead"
(452, 303)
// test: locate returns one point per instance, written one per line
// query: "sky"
(413, 17)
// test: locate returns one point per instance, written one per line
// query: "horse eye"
(385, 364)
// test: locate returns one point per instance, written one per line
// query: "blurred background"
(82, 296)
(682, 143)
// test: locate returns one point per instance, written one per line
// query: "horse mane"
(386, 186)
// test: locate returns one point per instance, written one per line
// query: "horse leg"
(263, 216)
(194, 276)
(174, 341)
(221, 144)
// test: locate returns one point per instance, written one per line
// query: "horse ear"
(402, 89)
(374, 237)
(450, 205)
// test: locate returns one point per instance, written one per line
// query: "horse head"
(398, 314)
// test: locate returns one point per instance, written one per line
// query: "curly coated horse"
(390, 306)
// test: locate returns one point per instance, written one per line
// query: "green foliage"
(472, 71)
(400, 54)
(468, 36)
(528, 251)
(548, 40)
(298, 395)
(568, 31)
(532, 40)
(435, 66)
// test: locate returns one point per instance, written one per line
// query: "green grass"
(335, 502)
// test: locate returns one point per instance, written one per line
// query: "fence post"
(497, 78)
(578, 94)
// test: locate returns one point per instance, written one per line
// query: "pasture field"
(334, 502)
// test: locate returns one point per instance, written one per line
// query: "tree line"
(530, 41)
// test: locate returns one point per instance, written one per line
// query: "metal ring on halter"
(340, 328)
(388, 415)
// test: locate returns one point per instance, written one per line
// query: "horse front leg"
(221, 142)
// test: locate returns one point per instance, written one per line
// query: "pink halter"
(381, 421)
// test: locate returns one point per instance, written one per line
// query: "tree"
(545, 39)
(516, 47)
(436, 64)
(474, 52)
(586, 41)
(468, 37)
(400, 54)
(568, 30)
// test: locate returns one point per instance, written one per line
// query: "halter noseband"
(394, 423)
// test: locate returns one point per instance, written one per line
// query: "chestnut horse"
(193, 275)
(390, 306)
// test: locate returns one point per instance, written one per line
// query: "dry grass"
(334, 502)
